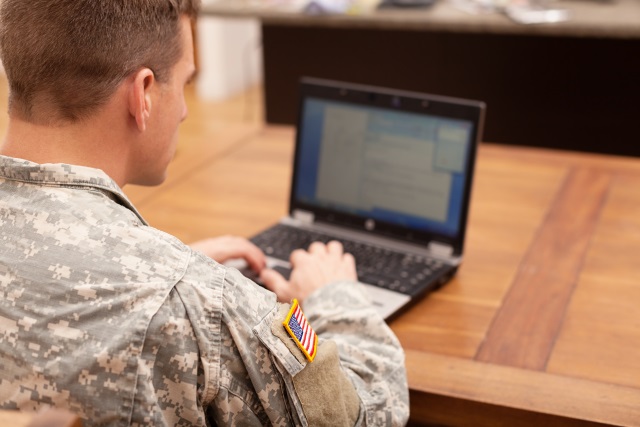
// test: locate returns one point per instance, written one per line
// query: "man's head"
(65, 58)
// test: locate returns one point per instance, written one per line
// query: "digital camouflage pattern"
(127, 326)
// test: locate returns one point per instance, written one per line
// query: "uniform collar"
(64, 175)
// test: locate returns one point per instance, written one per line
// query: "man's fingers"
(277, 284)
(350, 262)
(238, 247)
(224, 248)
(254, 256)
(297, 256)
(317, 248)
(334, 247)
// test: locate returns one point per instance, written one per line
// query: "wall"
(229, 56)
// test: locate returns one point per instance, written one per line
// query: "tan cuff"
(327, 395)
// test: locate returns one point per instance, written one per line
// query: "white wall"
(229, 55)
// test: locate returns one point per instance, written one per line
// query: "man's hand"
(225, 248)
(320, 266)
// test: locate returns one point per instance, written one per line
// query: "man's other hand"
(225, 248)
(319, 266)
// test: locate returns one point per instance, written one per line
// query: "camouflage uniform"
(125, 325)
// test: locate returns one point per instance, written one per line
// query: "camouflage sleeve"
(369, 351)
(265, 380)
(254, 365)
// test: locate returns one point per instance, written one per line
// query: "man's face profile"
(168, 110)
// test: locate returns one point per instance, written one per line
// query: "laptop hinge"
(440, 250)
(304, 217)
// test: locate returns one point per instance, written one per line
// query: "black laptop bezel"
(372, 96)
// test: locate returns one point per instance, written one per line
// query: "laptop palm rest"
(386, 302)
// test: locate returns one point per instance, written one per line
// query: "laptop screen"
(373, 159)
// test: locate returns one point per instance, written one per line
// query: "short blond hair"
(65, 58)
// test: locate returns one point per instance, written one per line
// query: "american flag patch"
(300, 330)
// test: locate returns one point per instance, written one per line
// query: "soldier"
(125, 325)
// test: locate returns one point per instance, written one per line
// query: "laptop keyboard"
(377, 266)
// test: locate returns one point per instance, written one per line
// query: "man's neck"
(89, 143)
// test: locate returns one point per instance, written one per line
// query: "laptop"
(388, 173)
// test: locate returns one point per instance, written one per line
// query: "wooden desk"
(570, 85)
(541, 325)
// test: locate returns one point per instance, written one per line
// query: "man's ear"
(140, 97)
